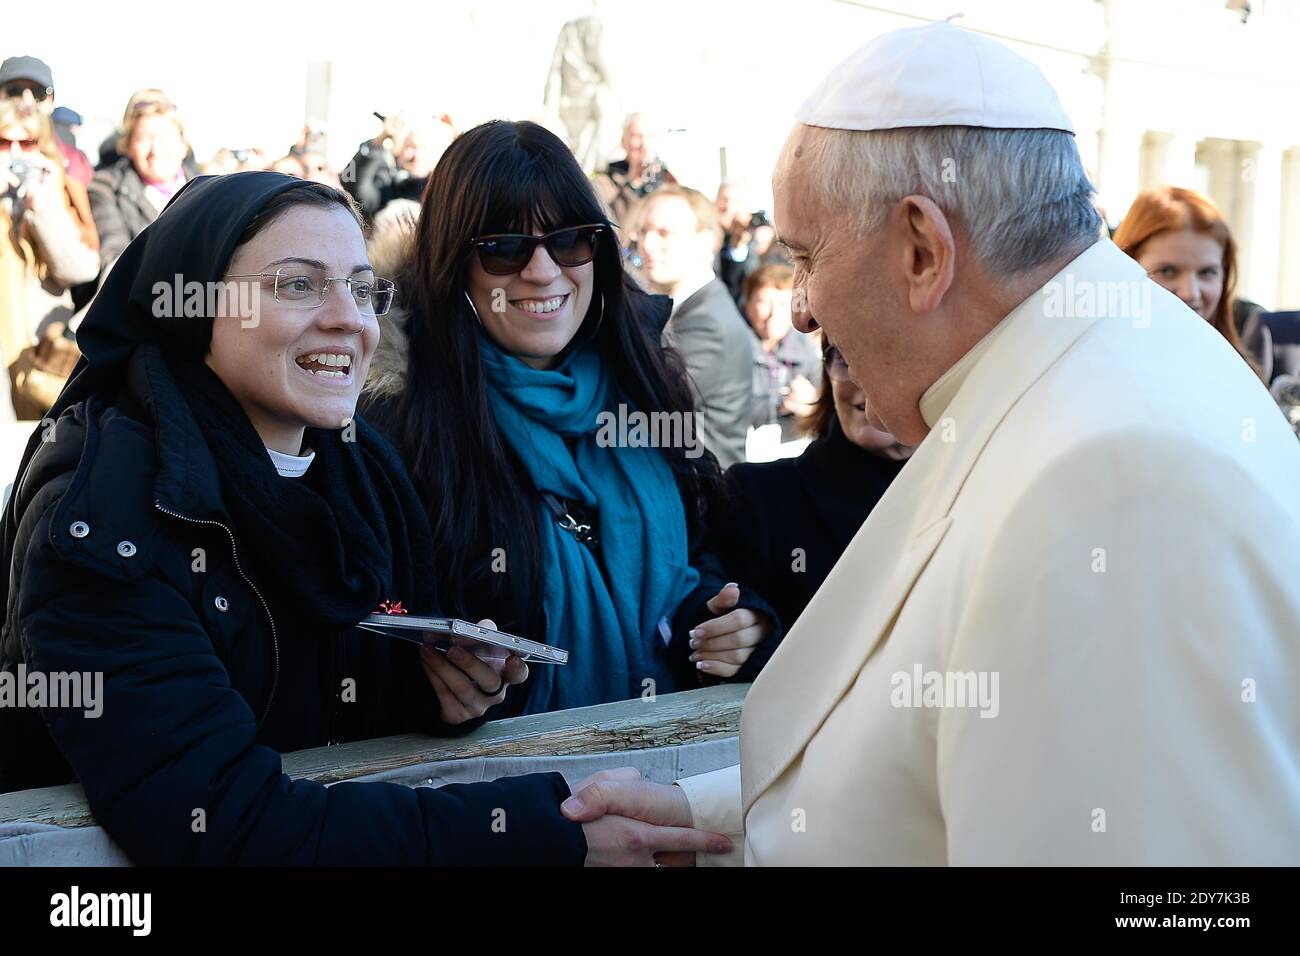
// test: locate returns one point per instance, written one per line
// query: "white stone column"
(1180, 160)
(1260, 169)
(1119, 168)
(1168, 159)
(1288, 249)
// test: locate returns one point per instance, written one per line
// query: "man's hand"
(720, 646)
(629, 821)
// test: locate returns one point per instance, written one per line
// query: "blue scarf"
(611, 629)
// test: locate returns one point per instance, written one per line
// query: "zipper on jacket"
(336, 691)
(234, 553)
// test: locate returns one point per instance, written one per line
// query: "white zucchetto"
(934, 75)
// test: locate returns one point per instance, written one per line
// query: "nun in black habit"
(203, 528)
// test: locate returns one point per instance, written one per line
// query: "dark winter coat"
(128, 560)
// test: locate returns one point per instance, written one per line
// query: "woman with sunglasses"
(203, 525)
(504, 385)
(48, 246)
(814, 503)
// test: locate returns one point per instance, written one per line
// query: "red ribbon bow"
(391, 607)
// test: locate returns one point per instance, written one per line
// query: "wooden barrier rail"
(668, 720)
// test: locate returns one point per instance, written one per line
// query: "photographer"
(626, 181)
(748, 244)
(29, 79)
(396, 164)
(49, 245)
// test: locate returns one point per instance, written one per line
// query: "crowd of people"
(413, 418)
(106, 202)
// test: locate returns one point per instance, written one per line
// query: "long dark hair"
(511, 177)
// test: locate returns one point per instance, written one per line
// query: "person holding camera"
(29, 78)
(49, 244)
(625, 182)
(396, 164)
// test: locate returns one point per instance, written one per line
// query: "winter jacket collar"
(138, 459)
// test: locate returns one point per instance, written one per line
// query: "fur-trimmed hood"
(392, 255)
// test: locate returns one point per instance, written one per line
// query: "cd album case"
(443, 632)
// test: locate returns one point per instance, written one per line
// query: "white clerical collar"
(290, 466)
(1103, 256)
(939, 396)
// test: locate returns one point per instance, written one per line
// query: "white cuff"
(716, 807)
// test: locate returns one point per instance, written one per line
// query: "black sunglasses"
(15, 90)
(507, 253)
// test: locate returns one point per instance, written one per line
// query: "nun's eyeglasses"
(307, 289)
(504, 254)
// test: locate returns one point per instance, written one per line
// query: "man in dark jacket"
(626, 181)
(679, 240)
(395, 164)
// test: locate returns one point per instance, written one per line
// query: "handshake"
(629, 821)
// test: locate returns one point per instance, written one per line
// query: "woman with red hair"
(1183, 242)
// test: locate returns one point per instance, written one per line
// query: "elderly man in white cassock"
(1069, 633)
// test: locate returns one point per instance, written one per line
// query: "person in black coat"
(785, 523)
(202, 525)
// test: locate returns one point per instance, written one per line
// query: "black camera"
(27, 173)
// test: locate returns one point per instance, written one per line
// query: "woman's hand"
(720, 646)
(466, 684)
(43, 191)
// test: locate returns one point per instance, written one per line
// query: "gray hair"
(1020, 195)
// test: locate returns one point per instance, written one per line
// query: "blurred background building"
(1198, 93)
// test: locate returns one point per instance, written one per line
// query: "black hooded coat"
(150, 540)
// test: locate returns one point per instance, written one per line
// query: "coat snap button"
(79, 529)
(222, 604)
(126, 549)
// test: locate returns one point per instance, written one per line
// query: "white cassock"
(1106, 516)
